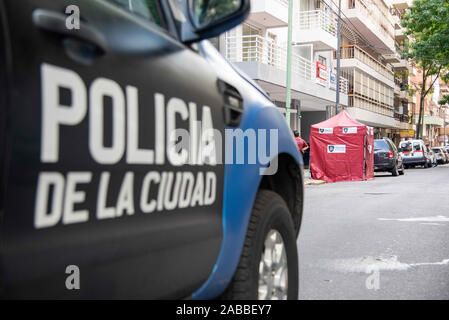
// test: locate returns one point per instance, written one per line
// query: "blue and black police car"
(120, 172)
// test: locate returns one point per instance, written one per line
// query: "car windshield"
(437, 150)
(380, 145)
(405, 146)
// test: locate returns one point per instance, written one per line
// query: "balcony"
(431, 120)
(402, 65)
(391, 58)
(266, 51)
(354, 57)
(403, 95)
(401, 117)
(402, 4)
(396, 21)
(397, 90)
(263, 59)
(316, 27)
(373, 22)
(399, 35)
(269, 13)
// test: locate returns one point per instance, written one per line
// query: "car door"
(102, 200)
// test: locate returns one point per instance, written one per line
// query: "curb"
(309, 182)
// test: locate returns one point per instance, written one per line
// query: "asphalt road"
(381, 239)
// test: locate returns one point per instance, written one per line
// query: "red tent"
(341, 149)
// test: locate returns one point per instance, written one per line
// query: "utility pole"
(288, 99)
(337, 102)
(444, 136)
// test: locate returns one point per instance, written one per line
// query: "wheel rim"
(273, 269)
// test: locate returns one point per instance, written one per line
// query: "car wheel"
(268, 266)
(402, 171)
(395, 171)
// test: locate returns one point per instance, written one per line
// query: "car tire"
(395, 171)
(270, 218)
(402, 171)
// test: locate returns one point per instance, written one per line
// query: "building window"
(351, 4)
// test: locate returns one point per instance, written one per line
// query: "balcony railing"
(354, 52)
(317, 19)
(267, 51)
(344, 85)
(356, 100)
(378, 14)
(401, 117)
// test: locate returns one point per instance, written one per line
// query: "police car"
(120, 171)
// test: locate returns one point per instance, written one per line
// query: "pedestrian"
(302, 144)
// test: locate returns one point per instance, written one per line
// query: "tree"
(428, 24)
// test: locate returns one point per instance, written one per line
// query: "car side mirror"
(210, 18)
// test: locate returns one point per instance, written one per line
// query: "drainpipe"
(288, 99)
(337, 100)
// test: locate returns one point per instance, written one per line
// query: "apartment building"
(378, 76)
(374, 78)
(259, 48)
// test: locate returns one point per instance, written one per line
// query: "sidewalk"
(309, 181)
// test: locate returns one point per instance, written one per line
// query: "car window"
(380, 145)
(148, 9)
(416, 146)
(393, 146)
(405, 146)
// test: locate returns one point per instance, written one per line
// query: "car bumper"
(383, 166)
(410, 160)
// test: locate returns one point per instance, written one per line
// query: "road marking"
(421, 219)
(367, 263)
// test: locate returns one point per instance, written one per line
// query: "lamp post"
(288, 99)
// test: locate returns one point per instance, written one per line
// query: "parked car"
(432, 156)
(414, 153)
(387, 157)
(441, 155)
(446, 154)
(93, 179)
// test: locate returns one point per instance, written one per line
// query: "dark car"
(99, 199)
(387, 157)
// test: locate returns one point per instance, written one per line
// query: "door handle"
(233, 104)
(55, 22)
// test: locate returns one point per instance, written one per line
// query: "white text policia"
(176, 190)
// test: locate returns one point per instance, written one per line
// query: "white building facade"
(369, 47)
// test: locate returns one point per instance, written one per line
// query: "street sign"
(407, 133)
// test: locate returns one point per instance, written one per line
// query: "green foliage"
(445, 100)
(428, 23)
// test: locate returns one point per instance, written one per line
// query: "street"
(381, 239)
